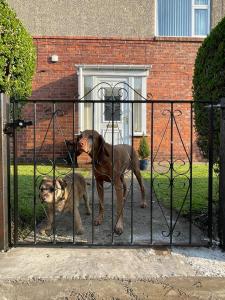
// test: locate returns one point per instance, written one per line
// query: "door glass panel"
(112, 111)
(137, 106)
(87, 106)
(109, 109)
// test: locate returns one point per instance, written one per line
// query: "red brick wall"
(172, 61)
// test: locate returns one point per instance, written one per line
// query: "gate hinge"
(9, 127)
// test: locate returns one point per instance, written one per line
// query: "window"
(183, 17)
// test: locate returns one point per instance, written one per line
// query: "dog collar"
(96, 162)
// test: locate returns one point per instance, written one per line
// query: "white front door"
(100, 83)
(112, 118)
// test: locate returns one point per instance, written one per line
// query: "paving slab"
(83, 273)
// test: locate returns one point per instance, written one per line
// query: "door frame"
(113, 72)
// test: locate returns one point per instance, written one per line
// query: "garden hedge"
(209, 85)
(17, 55)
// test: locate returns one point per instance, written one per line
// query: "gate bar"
(35, 174)
(15, 179)
(4, 207)
(191, 173)
(171, 171)
(210, 173)
(222, 177)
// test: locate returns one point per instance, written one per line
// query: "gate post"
(4, 112)
(222, 176)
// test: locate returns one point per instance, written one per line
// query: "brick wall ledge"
(124, 39)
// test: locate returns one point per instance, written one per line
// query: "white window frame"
(199, 6)
(128, 71)
(194, 7)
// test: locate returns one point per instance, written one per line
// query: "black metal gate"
(46, 149)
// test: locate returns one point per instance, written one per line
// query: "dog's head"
(89, 141)
(47, 189)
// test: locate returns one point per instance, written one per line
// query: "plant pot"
(143, 164)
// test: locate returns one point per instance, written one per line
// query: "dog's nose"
(42, 198)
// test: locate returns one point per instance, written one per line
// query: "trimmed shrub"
(143, 149)
(209, 85)
(17, 55)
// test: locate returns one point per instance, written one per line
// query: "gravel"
(209, 262)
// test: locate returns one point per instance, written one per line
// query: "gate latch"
(9, 127)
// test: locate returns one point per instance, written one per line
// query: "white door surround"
(112, 78)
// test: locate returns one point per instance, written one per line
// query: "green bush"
(17, 55)
(209, 85)
(143, 149)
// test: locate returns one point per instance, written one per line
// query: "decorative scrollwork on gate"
(171, 174)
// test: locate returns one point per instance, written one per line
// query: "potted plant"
(144, 153)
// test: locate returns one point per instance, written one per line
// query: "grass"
(26, 194)
(181, 187)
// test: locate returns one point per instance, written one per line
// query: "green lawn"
(181, 188)
(161, 189)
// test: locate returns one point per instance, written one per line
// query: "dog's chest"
(103, 171)
(61, 206)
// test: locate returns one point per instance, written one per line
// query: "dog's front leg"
(124, 187)
(46, 226)
(77, 221)
(137, 173)
(99, 219)
(119, 206)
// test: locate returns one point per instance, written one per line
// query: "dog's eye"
(49, 189)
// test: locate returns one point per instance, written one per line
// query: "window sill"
(138, 134)
(179, 39)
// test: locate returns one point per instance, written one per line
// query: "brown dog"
(64, 199)
(125, 158)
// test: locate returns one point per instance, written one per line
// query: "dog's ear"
(78, 136)
(40, 184)
(101, 140)
(62, 183)
(42, 180)
(101, 143)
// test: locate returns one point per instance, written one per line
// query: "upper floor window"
(183, 17)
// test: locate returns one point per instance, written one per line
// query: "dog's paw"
(98, 221)
(88, 212)
(80, 231)
(44, 231)
(118, 230)
(41, 231)
(143, 204)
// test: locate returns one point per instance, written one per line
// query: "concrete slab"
(69, 274)
(55, 263)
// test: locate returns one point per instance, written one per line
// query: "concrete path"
(55, 273)
(137, 222)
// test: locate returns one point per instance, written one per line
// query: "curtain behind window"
(174, 17)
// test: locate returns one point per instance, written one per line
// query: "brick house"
(149, 44)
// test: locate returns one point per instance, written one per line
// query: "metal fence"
(44, 153)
